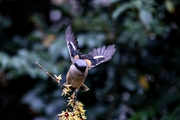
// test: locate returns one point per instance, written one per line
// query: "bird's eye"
(80, 68)
(75, 64)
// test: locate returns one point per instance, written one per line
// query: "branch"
(47, 73)
(67, 107)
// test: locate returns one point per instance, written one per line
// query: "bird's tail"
(84, 88)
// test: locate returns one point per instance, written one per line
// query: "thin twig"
(48, 74)
(46, 71)
(67, 106)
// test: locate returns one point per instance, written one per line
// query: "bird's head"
(80, 65)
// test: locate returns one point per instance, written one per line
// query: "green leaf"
(169, 6)
(118, 11)
(4, 60)
(145, 17)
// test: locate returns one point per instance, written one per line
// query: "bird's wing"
(99, 55)
(72, 43)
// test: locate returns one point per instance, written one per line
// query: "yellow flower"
(79, 110)
(79, 116)
(66, 90)
(58, 79)
(79, 106)
(65, 115)
(70, 116)
(71, 100)
(84, 117)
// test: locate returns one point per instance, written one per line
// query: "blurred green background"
(140, 82)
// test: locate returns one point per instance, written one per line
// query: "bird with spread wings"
(81, 63)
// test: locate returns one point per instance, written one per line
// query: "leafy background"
(140, 82)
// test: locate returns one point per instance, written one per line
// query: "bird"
(82, 63)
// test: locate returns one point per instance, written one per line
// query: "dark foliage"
(140, 82)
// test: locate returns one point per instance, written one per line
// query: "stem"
(46, 71)
(67, 106)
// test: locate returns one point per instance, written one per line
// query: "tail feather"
(84, 88)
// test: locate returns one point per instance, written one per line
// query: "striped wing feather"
(100, 55)
(72, 43)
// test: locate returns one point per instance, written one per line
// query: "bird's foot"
(62, 87)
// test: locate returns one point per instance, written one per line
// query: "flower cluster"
(78, 112)
(66, 88)
(58, 78)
